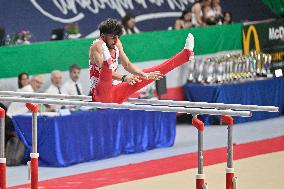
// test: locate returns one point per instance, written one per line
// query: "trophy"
(263, 62)
(238, 71)
(191, 67)
(226, 70)
(268, 66)
(248, 63)
(199, 71)
(220, 72)
(234, 75)
(229, 68)
(253, 61)
(244, 70)
(258, 65)
(209, 72)
(232, 67)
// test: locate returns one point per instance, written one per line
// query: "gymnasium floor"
(259, 162)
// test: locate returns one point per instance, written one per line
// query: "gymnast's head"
(110, 31)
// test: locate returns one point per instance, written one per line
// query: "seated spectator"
(227, 18)
(128, 22)
(72, 30)
(56, 83)
(197, 14)
(20, 108)
(217, 11)
(184, 21)
(23, 80)
(209, 15)
(55, 88)
(23, 37)
(72, 86)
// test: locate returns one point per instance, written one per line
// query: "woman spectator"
(23, 80)
(184, 21)
(217, 11)
(128, 22)
(197, 14)
(209, 16)
(227, 18)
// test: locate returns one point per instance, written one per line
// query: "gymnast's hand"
(131, 80)
(156, 75)
(105, 51)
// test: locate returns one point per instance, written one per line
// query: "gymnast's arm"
(96, 54)
(131, 68)
(127, 65)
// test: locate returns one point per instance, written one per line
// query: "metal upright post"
(231, 180)
(2, 150)
(200, 183)
(34, 155)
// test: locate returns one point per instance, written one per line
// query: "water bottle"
(7, 40)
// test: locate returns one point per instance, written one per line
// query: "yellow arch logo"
(246, 39)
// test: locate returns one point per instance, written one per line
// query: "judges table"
(267, 92)
(94, 135)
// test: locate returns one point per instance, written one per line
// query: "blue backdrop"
(41, 16)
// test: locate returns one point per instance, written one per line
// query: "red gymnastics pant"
(105, 92)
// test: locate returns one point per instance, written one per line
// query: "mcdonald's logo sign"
(246, 39)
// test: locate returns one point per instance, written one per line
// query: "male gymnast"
(107, 84)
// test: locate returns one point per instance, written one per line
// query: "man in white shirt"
(16, 108)
(55, 88)
(72, 86)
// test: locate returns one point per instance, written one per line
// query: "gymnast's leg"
(121, 92)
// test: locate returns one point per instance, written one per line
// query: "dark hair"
(184, 12)
(74, 66)
(110, 26)
(126, 18)
(124, 21)
(230, 17)
(20, 78)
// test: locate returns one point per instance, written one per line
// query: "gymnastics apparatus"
(226, 111)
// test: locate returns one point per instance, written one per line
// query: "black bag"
(15, 150)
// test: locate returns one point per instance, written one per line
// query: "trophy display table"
(266, 92)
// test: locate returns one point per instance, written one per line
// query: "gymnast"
(107, 84)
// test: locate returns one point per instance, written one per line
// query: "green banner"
(45, 57)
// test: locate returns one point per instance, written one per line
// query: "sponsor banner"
(266, 37)
(41, 16)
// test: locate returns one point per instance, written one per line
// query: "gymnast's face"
(110, 40)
